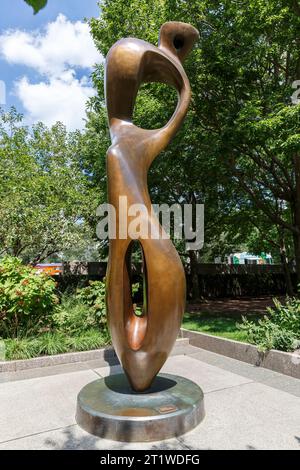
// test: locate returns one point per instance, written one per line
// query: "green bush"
(27, 297)
(72, 316)
(93, 296)
(78, 313)
(280, 329)
(40, 325)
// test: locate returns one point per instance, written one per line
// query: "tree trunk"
(195, 288)
(296, 210)
(286, 268)
(296, 239)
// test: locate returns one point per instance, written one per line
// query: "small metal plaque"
(167, 409)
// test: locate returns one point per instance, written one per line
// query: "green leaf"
(37, 5)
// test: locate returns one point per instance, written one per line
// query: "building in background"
(248, 258)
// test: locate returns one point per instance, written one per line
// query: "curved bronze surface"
(144, 342)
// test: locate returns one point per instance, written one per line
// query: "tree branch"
(258, 201)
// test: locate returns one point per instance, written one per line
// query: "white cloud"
(60, 46)
(56, 100)
(55, 53)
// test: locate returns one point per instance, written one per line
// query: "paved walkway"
(246, 407)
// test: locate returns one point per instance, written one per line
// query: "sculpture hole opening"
(154, 106)
(138, 271)
(136, 302)
(178, 42)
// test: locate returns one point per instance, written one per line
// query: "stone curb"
(278, 361)
(104, 356)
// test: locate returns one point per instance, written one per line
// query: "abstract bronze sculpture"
(144, 342)
(142, 406)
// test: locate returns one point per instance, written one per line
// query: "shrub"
(278, 330)
(72, 316)
(85, 310)
(27, 297)
(93, 296)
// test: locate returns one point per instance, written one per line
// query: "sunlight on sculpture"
(143, 343)
(141, 406)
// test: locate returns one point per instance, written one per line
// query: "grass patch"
(51, 343)
(217, 324)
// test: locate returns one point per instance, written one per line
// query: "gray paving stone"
(190, 350)
(40, 404)
(109, 370)
(249, 416)
(42, 372)
(246, 408)
(96, 364)
(257, 374)
(74, 438)
(233, 365)
(281, 382)
(203, 374)
(207, 376)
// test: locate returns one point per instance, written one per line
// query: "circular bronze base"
(109, 408)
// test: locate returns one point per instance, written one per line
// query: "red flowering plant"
(27, 298)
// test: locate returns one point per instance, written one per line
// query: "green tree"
(174, 176)
(46, 198)
(239, 148)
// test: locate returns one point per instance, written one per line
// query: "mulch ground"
(241, 306)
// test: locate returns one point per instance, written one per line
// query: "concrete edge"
(278, 361)
(104, 356)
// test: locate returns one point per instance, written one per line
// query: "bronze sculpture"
(115, 407)
(144, 342)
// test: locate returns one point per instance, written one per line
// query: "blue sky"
(46, 59)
